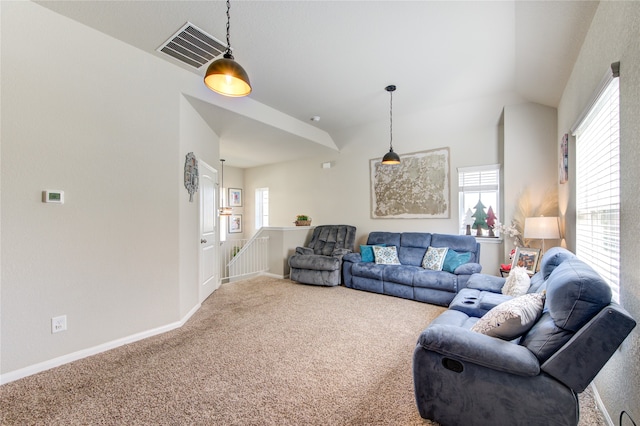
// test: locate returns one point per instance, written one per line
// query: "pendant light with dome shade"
(390, 158)
(223, 210)
(225, 75)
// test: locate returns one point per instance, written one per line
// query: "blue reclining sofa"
(409, 279)
(466, 375)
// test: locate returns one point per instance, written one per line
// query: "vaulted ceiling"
(333, 59)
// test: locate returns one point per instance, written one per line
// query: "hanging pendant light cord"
(391, 121)
(228, 27)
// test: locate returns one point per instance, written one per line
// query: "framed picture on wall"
(527, 258)
(235, 223)
(235, 197)
(564, 159)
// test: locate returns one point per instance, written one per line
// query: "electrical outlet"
(58, 324)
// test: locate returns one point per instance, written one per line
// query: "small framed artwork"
(527, 258)
(235, 197)
(235, 223)
(564, 159)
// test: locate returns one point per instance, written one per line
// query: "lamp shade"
(391, 158)
(227, 77)
(541, 228)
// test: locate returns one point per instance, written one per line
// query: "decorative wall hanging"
(417, 188)
(191, 177)
(235, 197)
(564, 159)
(235, 224)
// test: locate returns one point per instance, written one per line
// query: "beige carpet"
(259, 352)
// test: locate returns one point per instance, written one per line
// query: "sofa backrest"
(550, 261)
(412, 246)
(459, 243)
(327, 238)
(575, 294)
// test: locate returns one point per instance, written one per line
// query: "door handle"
(203, 241)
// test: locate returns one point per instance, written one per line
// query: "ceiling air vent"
(193, 46)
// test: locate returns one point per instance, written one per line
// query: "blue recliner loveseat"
(409, 279)
(465, 377)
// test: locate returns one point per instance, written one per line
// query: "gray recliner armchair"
(321, 262)
(464, 377)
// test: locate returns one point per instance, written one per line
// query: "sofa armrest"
(340, 252)
(490, 352)
(486, 282)
(468, 269)
(352, 257)
(304, 250)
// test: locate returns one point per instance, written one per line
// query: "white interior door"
(209, 269)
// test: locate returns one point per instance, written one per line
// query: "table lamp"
(541, 228)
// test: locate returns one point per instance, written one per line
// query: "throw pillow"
(517, 283)
(434, 258)
(386, 255)
(453, 259)
(513, 318)
(366, 252)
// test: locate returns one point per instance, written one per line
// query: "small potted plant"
(303, 220)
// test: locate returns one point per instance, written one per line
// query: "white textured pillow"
(434, 258)
(386, 255)
(512, 318)
(517, 283)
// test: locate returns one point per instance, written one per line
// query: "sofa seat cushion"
(401, 274)
(368, 270)
(315, 262)
(455, 318)
(477, 303)
(439, 280)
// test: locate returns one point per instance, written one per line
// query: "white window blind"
(598, 186)
(481, 178)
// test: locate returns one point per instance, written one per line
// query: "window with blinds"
(598, 185)
(478, 184)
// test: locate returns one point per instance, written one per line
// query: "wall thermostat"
(53, 196)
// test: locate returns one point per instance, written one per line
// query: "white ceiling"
(334, 58)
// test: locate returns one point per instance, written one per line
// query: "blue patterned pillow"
(366, 252)
(453, 259)
(386, 255)
(434, 258)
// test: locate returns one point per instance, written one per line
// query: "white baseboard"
(600, 405)
(268, 274)
(84, 353)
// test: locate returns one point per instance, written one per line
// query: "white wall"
(105, 122)
(613, 36)
(197, 137)
(530, 160)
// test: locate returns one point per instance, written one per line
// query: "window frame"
(487, 181)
